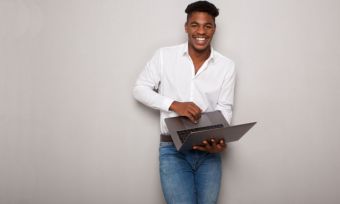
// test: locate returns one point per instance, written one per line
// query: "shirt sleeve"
(148, 82)
(226, 97)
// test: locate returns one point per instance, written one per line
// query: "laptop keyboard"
(183, 134)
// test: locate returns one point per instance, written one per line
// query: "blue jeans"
(192, 177)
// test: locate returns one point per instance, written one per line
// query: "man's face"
(200, 27)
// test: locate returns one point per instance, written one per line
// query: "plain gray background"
(70, 131)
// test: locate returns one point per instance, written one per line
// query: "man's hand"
(188, 109)
(212, 146)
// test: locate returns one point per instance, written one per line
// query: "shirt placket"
(194, 76)
(192, 82)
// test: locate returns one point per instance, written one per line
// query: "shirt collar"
(185, 52)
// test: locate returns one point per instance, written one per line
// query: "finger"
(197, 115)
(193, 110)
(201, 148)
(198, 112)
(194, 114)
(196, 107)
(206, 144)
(191, 117)
(221, 145)
(213, 143)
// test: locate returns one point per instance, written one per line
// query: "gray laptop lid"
(228, 134)
(210, 125)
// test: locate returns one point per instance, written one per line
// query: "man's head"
(200, 25)
(202, 6)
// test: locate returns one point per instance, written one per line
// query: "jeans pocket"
(166, 148)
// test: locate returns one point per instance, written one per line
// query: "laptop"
(185, 134)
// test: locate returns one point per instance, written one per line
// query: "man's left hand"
(211, 146)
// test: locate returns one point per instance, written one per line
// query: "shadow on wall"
(148, 112)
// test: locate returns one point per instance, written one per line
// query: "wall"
(70, 131)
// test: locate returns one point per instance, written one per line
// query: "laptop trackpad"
(202, 122)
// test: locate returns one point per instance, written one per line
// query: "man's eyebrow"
(208, 23)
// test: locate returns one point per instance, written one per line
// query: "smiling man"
(190, 78)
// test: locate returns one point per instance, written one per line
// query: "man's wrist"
(173, 106)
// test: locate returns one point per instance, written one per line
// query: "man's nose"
(200, 30)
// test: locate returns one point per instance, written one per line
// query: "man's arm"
(148, 81)
(226, 97)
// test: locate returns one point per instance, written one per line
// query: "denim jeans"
(191, 177)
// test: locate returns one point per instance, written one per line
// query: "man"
(190, 79)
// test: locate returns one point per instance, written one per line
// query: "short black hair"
(202, 6)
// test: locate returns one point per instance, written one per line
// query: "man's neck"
(199, 55)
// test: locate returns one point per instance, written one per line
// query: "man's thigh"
(177, 176)
(208, 179)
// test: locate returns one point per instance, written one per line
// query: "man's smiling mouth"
(200, 39)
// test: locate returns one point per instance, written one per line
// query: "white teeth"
(200, 39)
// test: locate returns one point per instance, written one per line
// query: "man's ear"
(186, 27)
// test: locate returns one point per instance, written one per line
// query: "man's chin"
(201, 48)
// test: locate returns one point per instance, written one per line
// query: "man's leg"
(208, 179)
(177, 177)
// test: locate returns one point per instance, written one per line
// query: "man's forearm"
(152, 99)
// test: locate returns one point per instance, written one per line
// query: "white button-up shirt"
(170, 76)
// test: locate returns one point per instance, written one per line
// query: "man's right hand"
(188, 109)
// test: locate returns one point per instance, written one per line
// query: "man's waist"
(165, 138)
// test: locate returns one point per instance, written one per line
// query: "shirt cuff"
(166, 104)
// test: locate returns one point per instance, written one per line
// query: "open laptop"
(186, 134)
